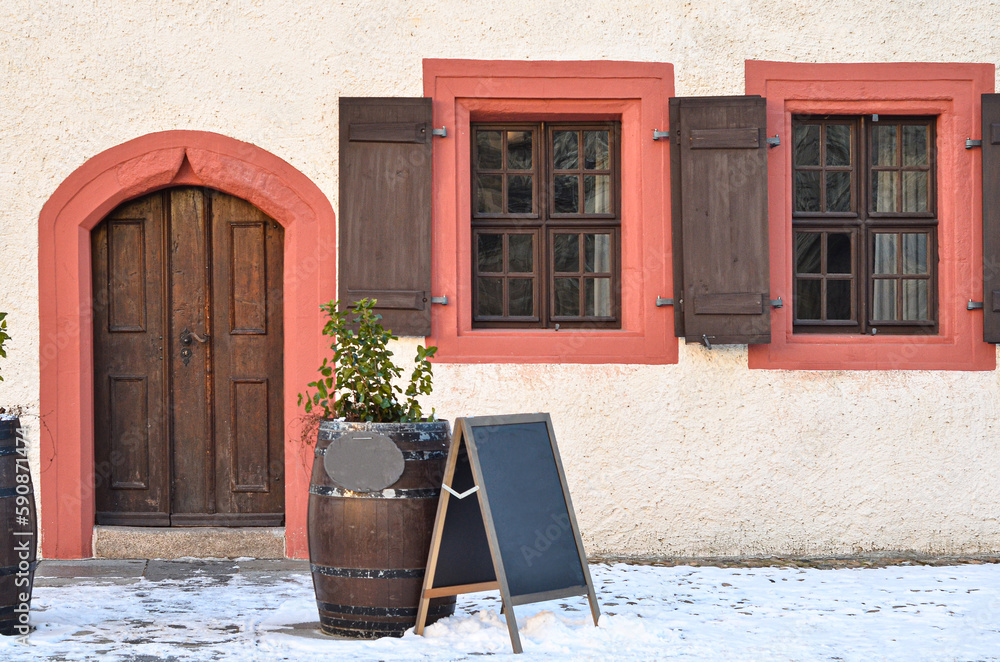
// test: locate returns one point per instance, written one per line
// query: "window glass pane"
(885, 300)
(807, 190)
(884, 145)
(567, 194)
(806, 145)
(567, 253)
(838, 253)
(597, 253)
(597, 194)
(838, 300)
(567, 297)
(807, 299)
(522, 297)
(519, 150)
(565, 150)
(521, 254)
(915, 191)
(595, 150)
(838, 191)
(491, 253)
(807, 252)
(489, 194)
(490, 291)
(884, 191)
(915, 145)
(914, 253)
(885, 255)
(838, 144)
(488, 144)
(519, 194)
(597, 297)
(914, 299)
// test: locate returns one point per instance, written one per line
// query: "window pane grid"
(506, 275)
(892, 261)
(505, 172)
(573, 277)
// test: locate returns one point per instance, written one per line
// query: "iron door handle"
(187, 336)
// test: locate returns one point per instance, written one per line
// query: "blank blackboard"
(505, 519)
(532, 520)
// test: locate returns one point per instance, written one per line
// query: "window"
(545, 225)
(864, 224)
(626, 220)
(861, 228)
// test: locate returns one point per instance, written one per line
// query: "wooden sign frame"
(463, 434)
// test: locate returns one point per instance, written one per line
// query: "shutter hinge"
(777, 303)
(974, 305)
(705, 341)
(442, 132)
(774, 141)
(660, 302)
(660, 135)
(441, 300)
(970, 143)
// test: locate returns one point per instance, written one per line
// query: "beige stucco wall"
(705, 457)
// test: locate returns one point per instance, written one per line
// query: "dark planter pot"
(18, 533)
(369, 537)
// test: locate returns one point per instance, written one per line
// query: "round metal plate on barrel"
(363, 461)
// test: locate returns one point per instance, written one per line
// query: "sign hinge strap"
(464, 494)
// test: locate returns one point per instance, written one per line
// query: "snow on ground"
(905, 613)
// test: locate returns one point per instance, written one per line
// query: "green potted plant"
(18, 531)
(377, 472)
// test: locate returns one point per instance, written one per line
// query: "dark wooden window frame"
(544, 222)
(862, 223)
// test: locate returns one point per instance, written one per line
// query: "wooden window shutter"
(991, 217)
(719, 210)
(385, 209)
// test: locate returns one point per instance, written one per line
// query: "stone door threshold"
(143, 542)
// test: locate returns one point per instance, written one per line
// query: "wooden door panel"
(193, 450)
(188, 362)
(130, 434)
(247, 344)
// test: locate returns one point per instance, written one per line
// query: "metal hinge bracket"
(774, 141)
(660, 302)
(777, 303)
(660, 135)
(974, 305)
(705, 341)
(442, 132)
(970, 143)
(441, 300)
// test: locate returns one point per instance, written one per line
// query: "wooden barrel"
(368, 549)
(18, 532)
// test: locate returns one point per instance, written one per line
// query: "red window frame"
(952, 93)
(633, 93)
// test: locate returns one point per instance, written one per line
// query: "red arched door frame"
(135, 168)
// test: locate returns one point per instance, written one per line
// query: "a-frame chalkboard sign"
(505, 520)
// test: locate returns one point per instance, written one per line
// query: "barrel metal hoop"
(7, 570)
(10, 492)
(411, 456)
(368, 573)
(416, 493)
(362, 629)
(8, 450)
(354, 610)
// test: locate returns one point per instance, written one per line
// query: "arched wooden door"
(188, 362)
